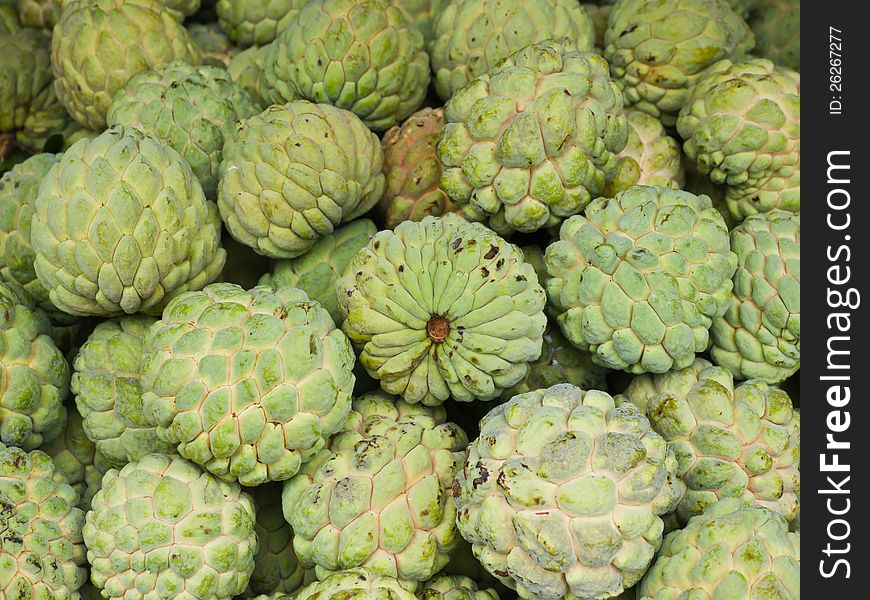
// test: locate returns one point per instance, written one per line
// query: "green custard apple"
(471, 36)
(360, 55)
(759, 336)
(190, 109)
(562, 494)
(658, 49)
(121, 225)
(247, 383)
(638, 280)
(730, 551)
(378, 495)
(42, 555)
(294, 173)
(443, 308)
(100, 44)
(108, 391)
(532, 141)
(741, 126)
(34, 376)
(162, 527)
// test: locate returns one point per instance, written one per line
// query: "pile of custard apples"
(399, 299)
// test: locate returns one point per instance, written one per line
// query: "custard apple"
(18, 189)
(741, 442)
(658, 49)
(255, 23)
(650, 157)
(454, 587)
(359, 55)
(29, 107)
(108, 392)
(443, 308)
(317, 271)
(561, 495)
(777, 28)
(248, 384)
(731, 551)
(76, 457)
(244, 69)
(759, 336)
(471, 36)
(293, 173)
(412, 170)
(99, 44)
(276, 566)
(34, 376)
(121, 225)
(560, 362)
(162, 528)
(378, 496)
(190, 109)
(356, 584)
(532, 141)
(638, 280)
(741, 126)
(42, 555)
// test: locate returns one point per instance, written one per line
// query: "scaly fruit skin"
(161, 526)
(638, 280)
(560, 362)
(360, 55)
(77, 458)
(741, 126)
(422, 13)
(122, 226)
(18, 189)
(39, 14)
(34, 376)
(190, 109)
(360, 584)
(412, 170)
(561, 494)
(650, 157)
(777, 28)
(379, 495)
(276, 566)
(293, 173)
(248, 384)
(42, 554)
(244, 69)
(256, 23)
(472, 36)
(658, 49)
(443, 308)
(29, 106)
(741, 442)
(317, 271)
(731, 551)
(108, 392)
(100, 44)
(454, 587)
(532, 141)
(759, 336)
